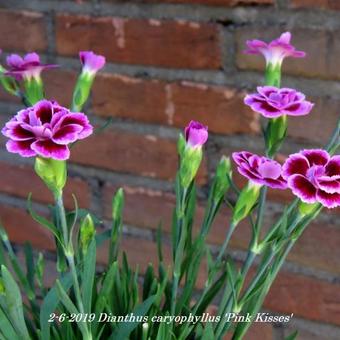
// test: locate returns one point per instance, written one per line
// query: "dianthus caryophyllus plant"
(164, 306)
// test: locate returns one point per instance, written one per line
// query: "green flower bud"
(82, 90)
(246, 201)
(87, 232)
(190, 163)
(52, 172)
(222, 178)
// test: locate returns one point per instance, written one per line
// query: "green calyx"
(246, 202)
(52, 172)
(191, 159)
(82, 91)
(273, 75)
(34, 90)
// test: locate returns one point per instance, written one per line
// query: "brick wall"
(168, 62)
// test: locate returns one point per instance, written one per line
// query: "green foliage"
(143, 305)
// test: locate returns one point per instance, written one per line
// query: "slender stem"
(73, 269)
(181, 229)
(70, 253)
(62, 216)
(225, 243)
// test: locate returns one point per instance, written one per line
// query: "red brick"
(145, 155)
(20, 180)
(59, 85)
(23, 31)
(318, 126)
(226, 3)
(324, 4)
(22, 228)
(167, 43)
(173, 103)
(306, 297)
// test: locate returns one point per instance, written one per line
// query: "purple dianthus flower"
(45, 129)
(314, 176)
(275, 51)
(196, 134)
(272, 102)
(260, 170)
(92, 62)
(27, 67)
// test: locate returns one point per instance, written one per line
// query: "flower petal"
(316, 156)
(17, 132)
(302, 188)
(333, 166)
(67, 134)
(328, 200)
(299, 109)
(23, 148)
(295, 164)
(49, 149)
(330, 185)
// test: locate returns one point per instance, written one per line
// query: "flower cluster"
(314, 176)
(45, 129)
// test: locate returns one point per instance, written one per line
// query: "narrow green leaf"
(292, 336)
(50, 304)
(6, 327)
(124, 329)
(88, 276)
(41, 220)
(70, 307)
(14, 303)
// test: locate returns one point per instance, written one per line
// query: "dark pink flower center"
(314, 172)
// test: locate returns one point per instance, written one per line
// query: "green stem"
(182, 230)
(226, 242)
(70, 254)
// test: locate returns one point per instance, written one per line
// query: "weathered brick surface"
(20, 180)
(323, 4)
(145, 155)
(305, 297)
(59, 85)
(22, 228)
(226, 3)
(121, 41)
(221, 108)
(22, 31)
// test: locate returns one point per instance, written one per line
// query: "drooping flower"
(272, 102)
(314, 176)
(92, 62)
(27, 67)
(45, 129)
(275, 51)
(260, 170)
(196, 134)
